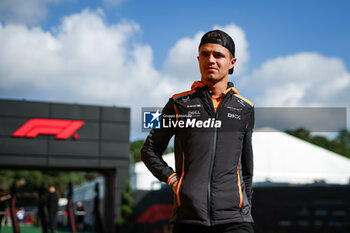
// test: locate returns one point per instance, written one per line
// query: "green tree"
(135, 148)
(339, 145)
(125, 221)
(300, 133)
(343, 143)
(29, 181)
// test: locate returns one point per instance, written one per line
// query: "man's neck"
(216, 88)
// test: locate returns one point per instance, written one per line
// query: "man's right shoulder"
(184, 94)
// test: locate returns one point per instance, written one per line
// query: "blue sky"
(292, 53)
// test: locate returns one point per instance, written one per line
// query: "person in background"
(3, 199)
(20, 215)
(80, 213)
(52, 208)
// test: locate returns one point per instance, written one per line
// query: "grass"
(34, 229)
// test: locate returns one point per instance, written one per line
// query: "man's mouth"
(211, 69)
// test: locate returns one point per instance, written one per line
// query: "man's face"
(214, 62)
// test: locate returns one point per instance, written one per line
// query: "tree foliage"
(135, 148)
(125, 221)
(340, 144)
(29, 181)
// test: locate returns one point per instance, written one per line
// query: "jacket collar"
(198, 85)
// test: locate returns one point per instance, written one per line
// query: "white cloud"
(84, 60)
(303, 79)
(181, 64)
(28, 12)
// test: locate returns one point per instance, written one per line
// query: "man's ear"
(233, 61)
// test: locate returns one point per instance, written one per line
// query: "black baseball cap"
(221, 38)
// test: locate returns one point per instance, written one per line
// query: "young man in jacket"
(212, 124)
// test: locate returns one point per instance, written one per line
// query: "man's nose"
(211, 58)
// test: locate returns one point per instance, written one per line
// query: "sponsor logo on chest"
(194, 113)
(234, 116)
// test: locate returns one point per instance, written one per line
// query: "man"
(80, 215)
(52, 208)
(20, 215)
(3, 200)
(213, 127)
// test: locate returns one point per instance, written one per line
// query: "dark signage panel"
(37, 135)
(63, 135)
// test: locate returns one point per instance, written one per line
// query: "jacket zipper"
(210, 176)
(212, 161)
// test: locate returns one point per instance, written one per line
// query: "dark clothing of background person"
(3, 200)
(52, 208)
(2, 211)
(80, 213)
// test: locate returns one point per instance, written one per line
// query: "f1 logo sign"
(63, 129)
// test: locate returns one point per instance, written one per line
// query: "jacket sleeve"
(155, 145)
(247, 157)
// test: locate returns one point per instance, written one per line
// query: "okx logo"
(151, 118)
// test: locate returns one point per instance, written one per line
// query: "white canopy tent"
(278, 158)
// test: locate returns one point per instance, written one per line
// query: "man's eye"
(218, 55)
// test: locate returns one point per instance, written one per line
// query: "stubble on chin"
(211, 79)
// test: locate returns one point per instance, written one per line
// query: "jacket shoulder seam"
(245, 100)
(183, 94)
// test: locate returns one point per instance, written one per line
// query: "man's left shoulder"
(243, 101)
